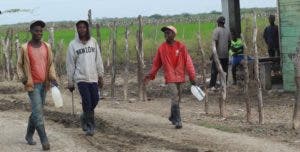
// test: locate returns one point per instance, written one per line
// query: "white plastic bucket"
(197, 92)
(56, 97)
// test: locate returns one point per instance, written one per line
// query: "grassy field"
(153, 37)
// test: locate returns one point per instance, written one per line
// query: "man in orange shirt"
(37, 73)
(173, 56)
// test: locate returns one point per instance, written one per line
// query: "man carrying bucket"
(36, 71)
(173, 56)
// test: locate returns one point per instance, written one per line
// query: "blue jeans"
(36, 119)
(89, 93)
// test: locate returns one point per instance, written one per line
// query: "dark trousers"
(234, 68)
(89, 95)
(273, 52)
(214, 71)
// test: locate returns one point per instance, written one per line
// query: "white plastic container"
(197, 92)
(56, 97)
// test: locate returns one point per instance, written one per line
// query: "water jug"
(197, 92)
(56, 97)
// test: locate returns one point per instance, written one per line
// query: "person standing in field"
(36, 70)
(222, 37)
(271, 37)
(85, 68)
(173, 56)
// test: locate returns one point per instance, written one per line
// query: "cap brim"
(82, 21)
(38, 23)
(163, 29)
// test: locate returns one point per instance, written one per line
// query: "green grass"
(220, 127)
(153, 37)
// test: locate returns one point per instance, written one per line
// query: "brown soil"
(143, 126)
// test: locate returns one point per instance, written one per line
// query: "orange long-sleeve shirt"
(175, 61)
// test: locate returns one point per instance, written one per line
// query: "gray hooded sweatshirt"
(84, 61)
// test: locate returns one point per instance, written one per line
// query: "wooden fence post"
(5, 44)
(296, 114)
(113, 67)
(51, 37)
(90, 20)
(256, 69)
(99, 36)
(126, 71)
(11, 50)
(246, 81)
(140, 61)
(223, 80)
(109, 46)
(206, 106)
(59, 60)
(17, 50)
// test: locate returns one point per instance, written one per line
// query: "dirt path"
(123, 127)
(195, 136)
(13, 128)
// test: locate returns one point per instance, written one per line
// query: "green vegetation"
(187, 25)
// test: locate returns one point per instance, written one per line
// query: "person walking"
(85, 68)
(222, 37)
(173, 56)
(36, 70)
(271, 37)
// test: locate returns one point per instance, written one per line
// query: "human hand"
(71, 88)
(54, 83)
(192, 82)
(146, 79)
(24, 80)
(100, 82)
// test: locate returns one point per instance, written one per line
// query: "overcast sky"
(58, 10)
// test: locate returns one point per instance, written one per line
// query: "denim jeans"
(36, 119)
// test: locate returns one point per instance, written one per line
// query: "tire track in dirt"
(108, 137)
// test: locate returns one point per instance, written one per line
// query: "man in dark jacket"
(271, 37)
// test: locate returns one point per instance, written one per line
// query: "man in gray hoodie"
(85, 68)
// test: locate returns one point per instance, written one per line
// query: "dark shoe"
(46, 146)
(30, 141)
(83, 122)
(178, 125)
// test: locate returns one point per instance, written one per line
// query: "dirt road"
(13, 127)
(136, 126)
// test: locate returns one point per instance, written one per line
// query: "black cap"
(84, 22)
(221, 19)
(37, 23)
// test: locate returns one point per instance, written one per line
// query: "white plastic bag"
(56, 97)
(197, 92)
